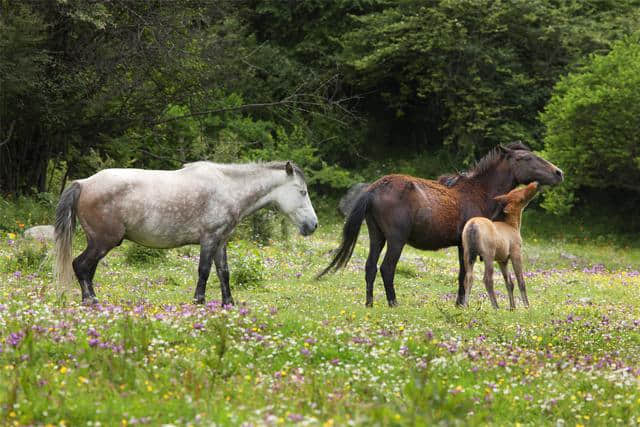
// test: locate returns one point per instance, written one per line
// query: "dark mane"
(483, 165)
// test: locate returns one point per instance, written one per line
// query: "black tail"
(349, 233)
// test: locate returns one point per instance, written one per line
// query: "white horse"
(201, 203)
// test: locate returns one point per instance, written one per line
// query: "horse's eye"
(303, 193)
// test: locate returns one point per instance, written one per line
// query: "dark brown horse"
(430, 215)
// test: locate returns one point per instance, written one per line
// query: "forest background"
(349, 90)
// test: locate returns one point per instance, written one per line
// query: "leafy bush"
(247, 268)
(141, 255)
(592, 129)
(22, 212)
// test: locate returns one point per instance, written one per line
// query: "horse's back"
(424, 211)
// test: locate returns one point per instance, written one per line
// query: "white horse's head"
(293, 200)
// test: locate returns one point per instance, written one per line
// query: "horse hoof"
(89, 301)
(392, 303)
(368, 304)
(228, 302)
(199, 299)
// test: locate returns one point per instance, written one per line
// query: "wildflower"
(295, 417)
(11, 236)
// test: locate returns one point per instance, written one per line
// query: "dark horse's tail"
(349, 233)
(64, 228)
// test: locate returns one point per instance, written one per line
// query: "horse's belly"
(162, 234)
(433, 244)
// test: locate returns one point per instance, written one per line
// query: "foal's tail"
(470, 242)
(350, 233)
(64, 228)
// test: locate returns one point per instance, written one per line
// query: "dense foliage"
(592, 123)
(335, 86)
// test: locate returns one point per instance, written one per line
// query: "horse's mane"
(483, 165)
(243, 168)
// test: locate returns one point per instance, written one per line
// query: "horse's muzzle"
(308, 228)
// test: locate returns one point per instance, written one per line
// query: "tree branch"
(9, 134)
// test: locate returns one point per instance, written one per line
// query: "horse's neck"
(254, 191)
(514, 220)
(495, 183)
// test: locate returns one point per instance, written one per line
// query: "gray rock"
(348, 200)
(40, 232)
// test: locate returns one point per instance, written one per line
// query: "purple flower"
(335, 361)
(295, 417)
(93, 342)
(304, 352)
(198, 326)
(93, 333)
(15, 338)
(17, 274)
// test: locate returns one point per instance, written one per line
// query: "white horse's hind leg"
(85, 268)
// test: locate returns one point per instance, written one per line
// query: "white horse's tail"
(64, 228)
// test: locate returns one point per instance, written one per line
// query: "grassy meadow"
(295, 351)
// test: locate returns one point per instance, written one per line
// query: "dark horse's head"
(528, 167)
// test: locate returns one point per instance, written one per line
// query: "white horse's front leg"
(207, 250)
(222, 268)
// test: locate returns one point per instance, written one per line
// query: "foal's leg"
(468, 280)
(204, 268)
(222, 269)
(508, 282)
(388, 269)
(376, 243)
(516, 260)
(488, 280)
(85, 266)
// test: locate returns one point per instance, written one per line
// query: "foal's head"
(518, 199)
(293, 200)
(528, 167)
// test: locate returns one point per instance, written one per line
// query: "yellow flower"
(328, 423)
(63, 370)
(11, 235)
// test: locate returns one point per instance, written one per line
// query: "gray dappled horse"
(201, 203)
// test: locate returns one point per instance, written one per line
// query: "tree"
(472, 73)
(592, 125)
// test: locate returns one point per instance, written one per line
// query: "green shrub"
(247, 268)
(592, 126)
(140, 255)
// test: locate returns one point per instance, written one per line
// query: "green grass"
(299, 351)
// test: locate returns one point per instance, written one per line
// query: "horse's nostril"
(559, 173)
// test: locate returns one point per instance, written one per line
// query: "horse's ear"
(504, 150)
(289, 168)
